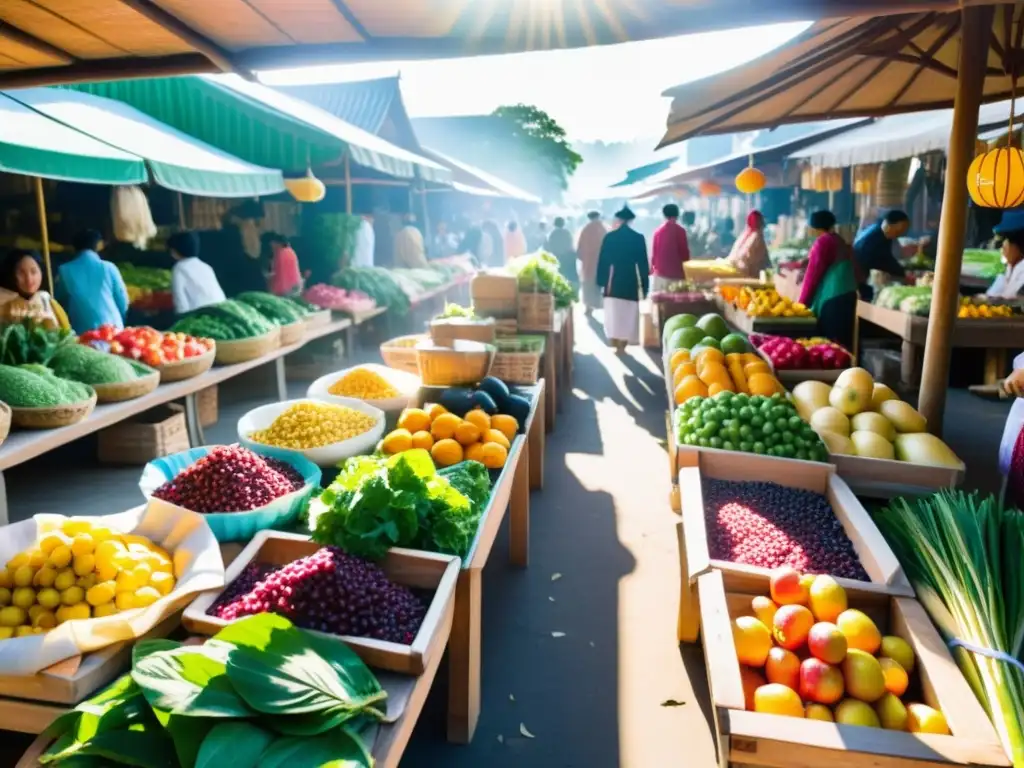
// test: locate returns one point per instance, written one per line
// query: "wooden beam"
(975, 33)
(31, 41)
(127, 68)
(934, 48)
(350, 17)
(171, 23)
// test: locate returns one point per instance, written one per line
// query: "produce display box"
(494, 295)
(411, 568)
(888, 478)
(747, 738)
(779, 326)
(790, 378)
(445, 330)
(158, 432)
(535, 312)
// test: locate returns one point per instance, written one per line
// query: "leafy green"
(377, 283)
(79, 362)
(190, 680)
(337, 749)
(456, 310)
(23, 388)
(538, 273)
(22, 343)
(275, 308)
(233, 745)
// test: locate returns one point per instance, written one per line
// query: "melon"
(830, 420)
(837, 443)
(858, 379)
(809, 396)
(923, 448)
(873, 422)
(903, 416)
(880, 393)
(872, 445)
(849, 400)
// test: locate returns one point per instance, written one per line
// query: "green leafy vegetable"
(538, 273)
(337, 749)
(79, 362)
(23, 343)
(233, 745)
(275, 308)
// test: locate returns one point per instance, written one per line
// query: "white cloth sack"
(622, 320)
(197, 567)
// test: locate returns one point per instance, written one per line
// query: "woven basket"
(158, 432)
(52, 418)
(400, 352)
(206, 406)
(466, 362)
(536, 312)
(5, 421)
(180, 370)
(244, 350)
(444, 330)
(516, 367)
(127, 390)
(318, 319)
(293, 333)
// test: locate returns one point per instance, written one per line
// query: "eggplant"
(485, 402)
(497, 389)
(457, 400)
(517, 407)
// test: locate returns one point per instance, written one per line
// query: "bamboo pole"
(44, 232)
(181, 212)
(975, 32)
(348, 185)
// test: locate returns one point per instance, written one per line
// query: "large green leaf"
(141, 746)
(336, 749)
(191, 681)
(186, 733)
(233, 744)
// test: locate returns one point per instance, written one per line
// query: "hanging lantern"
(709, 189)
(996, 178)
(750, 181)
(307, 189)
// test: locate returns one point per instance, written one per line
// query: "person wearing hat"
(830, 283)
(623, 276)
(1011, 228)
(873, 249)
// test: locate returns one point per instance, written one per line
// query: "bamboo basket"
(317, 319)
(535, 312)
(127, 390)
(5, 421)
(206, 406)
(188, 368)
(52, 418)
(464, 362)
(158, 432)
(293, 333)
(400, 352)
(516, 367)
(244, 350)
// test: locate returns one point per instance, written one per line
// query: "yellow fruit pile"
(805, 653)
(363, 384)
(712, 371)
(767, 302)
(314, 425)
(83, 570)
(975, 311)
(478, 437)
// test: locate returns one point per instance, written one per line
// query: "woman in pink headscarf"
(750, 252)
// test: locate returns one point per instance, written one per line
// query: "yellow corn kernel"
(164, 582)
(363, 384)
(124, 601)
(107, 609)
(145, 596)
(313, 425)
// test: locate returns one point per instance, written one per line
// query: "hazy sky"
(609, 93)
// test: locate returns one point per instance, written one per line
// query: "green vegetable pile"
(458, 311)
(982, 263)
(154, 278)
(962, 554)
(224, 321)
(23, 343)
(28, 387)
(912, 299)
(375, 282)
(538, 273)
(423, 279)
(401, 501)
(80, 362)
(276, 309)
(261, 693)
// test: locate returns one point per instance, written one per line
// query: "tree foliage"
(544, 141)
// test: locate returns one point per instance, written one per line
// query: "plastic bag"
(133, 221)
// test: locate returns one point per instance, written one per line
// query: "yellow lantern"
(307, 189)
(709, 189)
(750, 181)
(996, 179)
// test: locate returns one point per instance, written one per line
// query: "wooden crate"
(206, 405)
(414, 569)
(494, 294)
(516, 367)
(157, 432)
(536, 312)
(771, 741)
(445, 331)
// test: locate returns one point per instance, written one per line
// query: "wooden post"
(348, 185)
(44, 232)
(975, 33)
(182, 223)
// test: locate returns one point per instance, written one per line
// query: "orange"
(444, 426)
(761, 384)
(715, 373)
(397, 441)
(481, 419)
(715, 388)
(759, 367)
(709, 354)
(507, 425)
(422, 439)
(446, 452)
(683, 370)
(679, 356)
(750, 357)
(494, 455)
(436, 410)
(414, 419)
(474, 452)
(494, 436)
(689, 387)
(467, 433)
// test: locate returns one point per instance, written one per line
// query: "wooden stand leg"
(995, 365)
(519, 513)
(535, 445)
(688, 625)
(464, 659)
(908, 365)
(550, 383)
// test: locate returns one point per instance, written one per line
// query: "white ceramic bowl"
(406, 383)
(324, 456)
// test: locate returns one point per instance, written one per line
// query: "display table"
(794, 327)
(994, 335)
(535, 433)
(557, 362)
(663, 310)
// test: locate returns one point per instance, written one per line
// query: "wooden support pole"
(182, 223)
(348, 185)
(44, 232)
(975, 33)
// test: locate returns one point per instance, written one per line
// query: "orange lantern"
(996, 178)
(750, 180)
(307, 189)
(709, 189)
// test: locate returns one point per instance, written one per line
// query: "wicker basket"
(158, 432)
(180, 370)
(448, 329)
(244, 350)
(293, 333)
(317, 319)
(494, 295)
(127, 390)
(461, 363)
(5, 421)
(400, 352)
(52, 418)
(508, 326)
(536, 312)
(516, 367)
(206, 406)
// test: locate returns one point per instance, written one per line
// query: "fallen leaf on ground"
(558, 634)
(556, 576)
(551, 599)
(526, 733)
(501, 739)
(511, 697)
(591, 643)
(673, 703)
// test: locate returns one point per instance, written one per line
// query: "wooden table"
(557, 362)
(663, 310)
(535, 433)
(995, 335)
(795, 327)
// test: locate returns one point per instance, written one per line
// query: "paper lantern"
(307, 189)
(996, 179)
(709, 189)
(750, 180)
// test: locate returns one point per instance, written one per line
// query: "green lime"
(768, 429)
(787, 438)
(746, 431)
(715, 442)
(728, 446)
(746, 413)
(757, 422)
(802, 455)
(702, 442)
(759, 447)
(746, 446)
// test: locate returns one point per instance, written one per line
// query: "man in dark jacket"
(623, 276)
(873, 249)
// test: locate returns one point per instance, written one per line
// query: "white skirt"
(622, 320)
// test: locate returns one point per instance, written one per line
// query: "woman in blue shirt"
(90, 289)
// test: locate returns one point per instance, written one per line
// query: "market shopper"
(91, 289)
(623, 276)
(410, 251)
(194, 284)
(670, 249)
(749, 254)
(491, 229)
(366, 242)
(515, 241)
(588, 248)
(830, 283)
(874, 246)
(1009, 284)
(559, 244)
(21, 277)
(284, 277)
